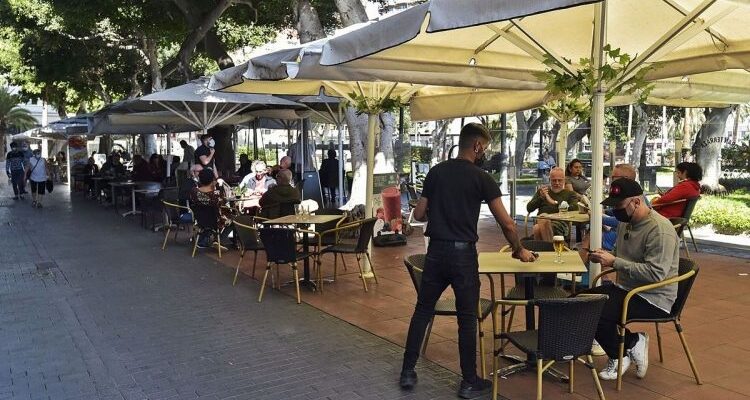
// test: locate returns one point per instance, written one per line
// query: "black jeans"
(458, 267)
(606, 331)
(18, 180)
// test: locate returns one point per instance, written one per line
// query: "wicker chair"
(247, 232)
(566, 330)
(359, 248)
(686, 214)
(206, 222)
(174, 218)
(281, 248)
(688, 270)
(415, 266)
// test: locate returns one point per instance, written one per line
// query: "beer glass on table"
(559, 243)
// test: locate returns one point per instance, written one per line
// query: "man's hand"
(603, 257)
(212, 151)
(524, 255)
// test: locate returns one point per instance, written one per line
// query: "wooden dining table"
(304, 221)
(503, 263)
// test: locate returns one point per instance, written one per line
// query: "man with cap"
(646, 252)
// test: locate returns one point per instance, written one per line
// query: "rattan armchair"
(247, 232)
(173, 219)
(281, 248)
(566, 330)
(359, 248)
(684, 280)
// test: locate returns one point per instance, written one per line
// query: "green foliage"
(421, 154)
(374, 105)
(735, 184)
(571, 93)
(728, 215)
(12, 116)
(736, 156)
(266, 155)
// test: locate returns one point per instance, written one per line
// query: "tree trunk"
(707, 147)
(224, 151)
(525, 129)
(439, 135)
(387, 130)
(105, 144)
(736, 126)
(356, 124)
(351, 11)
(639, 139)
(309, 27)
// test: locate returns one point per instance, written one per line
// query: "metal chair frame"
(170, 223)
(240, 225)
(361, 247)
(686, 214)
(685, 279)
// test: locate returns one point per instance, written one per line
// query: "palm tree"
(10, 115)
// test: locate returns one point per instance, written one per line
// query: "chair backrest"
(247, 232)
(683, 287)
(366, 230)
(415, 265)
(567, 326)
(689, 207)
(171, 212)
(206, 217)
(678, 224)
(329, 239)
(280, 244)
(537, 245)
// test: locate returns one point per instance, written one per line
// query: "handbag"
(28, 174)
(49, 186)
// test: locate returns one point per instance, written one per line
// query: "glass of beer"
(559, 243)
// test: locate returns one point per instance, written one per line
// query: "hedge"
(735, 184)
(729, 215)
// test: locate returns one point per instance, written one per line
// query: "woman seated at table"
(257, 183)
(547, 200)
(574, 179)
(206, 202)
(689, 187)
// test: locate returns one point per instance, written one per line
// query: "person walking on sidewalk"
(38, 172)
(15, 167)
(452, 254)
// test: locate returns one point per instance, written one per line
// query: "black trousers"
(458, 267)
(606, 331)
(18, 181)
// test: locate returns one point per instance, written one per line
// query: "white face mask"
(211, 143)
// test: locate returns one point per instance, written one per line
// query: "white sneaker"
(597, 350)
(609, 373)
(639, 354)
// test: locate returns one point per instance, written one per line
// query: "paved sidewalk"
(91, 308)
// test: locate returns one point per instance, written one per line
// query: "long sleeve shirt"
(686, 189)
(540, 203)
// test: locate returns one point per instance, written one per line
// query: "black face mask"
(622, 214)
(479, 161)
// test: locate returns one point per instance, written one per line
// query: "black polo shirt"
(202, 150)
(455, 190)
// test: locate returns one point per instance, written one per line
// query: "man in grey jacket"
(646, 251)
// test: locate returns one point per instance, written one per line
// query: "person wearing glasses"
(646, 251)
(547, 200)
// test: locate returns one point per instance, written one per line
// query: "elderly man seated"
(547, 200)
(257, 183)
(275, 198)
(646, 251)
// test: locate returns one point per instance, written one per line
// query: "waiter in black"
(452, 195)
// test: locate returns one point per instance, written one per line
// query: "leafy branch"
(570, 95)
(372, 106)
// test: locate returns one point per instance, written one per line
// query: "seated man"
(547, 200)
(257, 183)
(646, 252)
(283, 193)
(188, 184)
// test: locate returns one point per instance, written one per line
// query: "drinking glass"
(298, 210)
(558, 242)
(645, 186)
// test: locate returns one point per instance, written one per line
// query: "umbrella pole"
(341, 165)
(169, 156)
(597, 176)
(255, 139)
(372, 120)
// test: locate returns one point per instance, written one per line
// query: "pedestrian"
(452, 255)
(15, 166)
(38, 173)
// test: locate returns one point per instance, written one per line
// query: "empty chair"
(175, 217)
(281, 248)
(365, 228)
(249, 240)
(566, 331)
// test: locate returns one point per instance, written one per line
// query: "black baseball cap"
(620, 190)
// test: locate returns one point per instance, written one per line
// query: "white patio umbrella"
(701, 50)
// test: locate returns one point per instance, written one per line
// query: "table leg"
(114, 199)
(133, 211)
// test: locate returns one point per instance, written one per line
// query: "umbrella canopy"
(196, 105)
(699, 50)
(61, 129)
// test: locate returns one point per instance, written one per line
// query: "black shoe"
(473, 390)
(408, 379)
